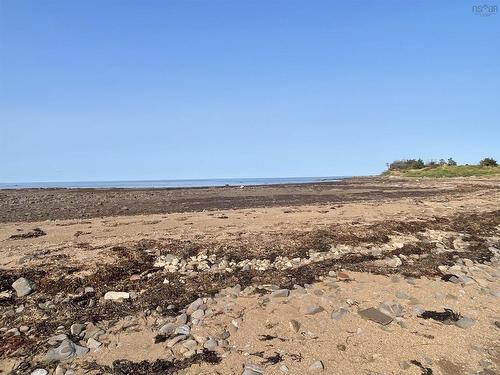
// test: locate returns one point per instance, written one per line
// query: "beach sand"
(258, 257)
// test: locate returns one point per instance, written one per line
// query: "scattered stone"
(39, 371)
(465, 322)
(65, 351)
(280, 293)
(317, 366)
(113, 296)
(343, 276)
(76, 329)
(210, 345)
(402, 295)
(339, 314)
(294, 325)
(375, 315)
(24, 329)
(198, 314)
(93, 343)
(182, 330)
(284, 369)
(167, 329)
(497, 324)
(175, 340)
(182, 319)
(251, 369)
(23, 287)
(314, 309)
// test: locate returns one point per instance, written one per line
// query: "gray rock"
(76, 328)
(53, 340)
(402, 295)
(465, 322)
(314, 309)
(65, 351)
(294, 325)
(497, 324)
(167, 329)
(316, 366)
(393, 309)
(210, 345)
(182, 319)
(93, 343)
(376, 316)
(198, 314)
(339, 314)
(39, 371)
(12, 332)
(175, 340)
(251, 369)
(280, 293)
(23, 287)
(182, 330)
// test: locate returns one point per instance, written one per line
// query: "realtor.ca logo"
(484, 10)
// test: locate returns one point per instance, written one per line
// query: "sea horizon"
(169, 183)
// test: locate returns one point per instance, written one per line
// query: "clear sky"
(121, 89)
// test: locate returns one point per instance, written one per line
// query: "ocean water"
(171, 183)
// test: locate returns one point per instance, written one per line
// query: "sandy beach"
(362, 276)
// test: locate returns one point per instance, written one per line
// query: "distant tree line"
(405, 164)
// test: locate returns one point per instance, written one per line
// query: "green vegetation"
(449, 168)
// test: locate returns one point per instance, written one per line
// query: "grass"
(448, 171)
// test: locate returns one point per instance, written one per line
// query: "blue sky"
(120, 89)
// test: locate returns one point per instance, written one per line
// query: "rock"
(284, 369)
(389, 262)
(465, 322)
(314, 309)
(402, 295)
(181, 319)
(113, 296)
(393, 309)
(24, 329)
(39, 371)
(294, 325)
(23, 287)
(497, 324)
(12, 332)
(190, 344)
(251, 369)
(343, 276)
(280, 293)
(65, 351)
(198, 314)
(182, 330)
(210, 345)
(167, 329)
(76, 329)
(59, 370)
(316, 366)
(93, 343)
(467, 262)
(339, 314)
(375, 315)
(175, 340)
(53, 340)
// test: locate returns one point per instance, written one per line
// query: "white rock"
(116, 295)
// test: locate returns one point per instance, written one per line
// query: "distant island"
(442, 168)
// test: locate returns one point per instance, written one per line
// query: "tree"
(451, 162)
(488, 162)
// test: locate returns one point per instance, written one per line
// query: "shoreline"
(29, 205)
